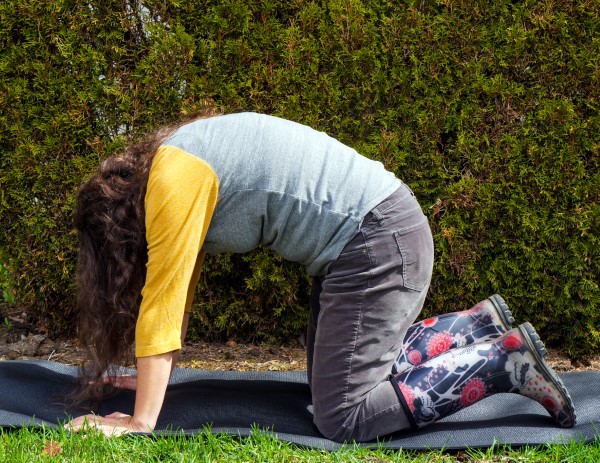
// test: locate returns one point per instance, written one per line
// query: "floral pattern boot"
(487, 320)
(463, 376)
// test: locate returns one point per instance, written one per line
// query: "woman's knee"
(376, 414)
(333, 426)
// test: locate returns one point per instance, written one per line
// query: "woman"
(234, 182)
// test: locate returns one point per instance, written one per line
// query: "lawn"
(45, 444)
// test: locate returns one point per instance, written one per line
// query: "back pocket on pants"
(416, 247)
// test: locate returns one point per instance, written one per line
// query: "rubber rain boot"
(459, 378)
(487, 320)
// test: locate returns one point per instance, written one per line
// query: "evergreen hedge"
(488, 110)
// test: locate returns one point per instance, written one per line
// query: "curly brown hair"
(112, 257)
(113, 252)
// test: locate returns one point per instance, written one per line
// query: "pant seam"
(387, 207)
(380, 215)
(357, 328)
(354, 342)
(391, 408)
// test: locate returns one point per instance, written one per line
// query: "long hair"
(113, 253)
(111, 268)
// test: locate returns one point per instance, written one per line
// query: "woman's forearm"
(153, 377)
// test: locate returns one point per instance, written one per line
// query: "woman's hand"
(150, 385)
(115, 424)
(122, 381)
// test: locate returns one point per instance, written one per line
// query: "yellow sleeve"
(180, 200)
(194, 282)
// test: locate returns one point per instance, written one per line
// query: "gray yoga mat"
(234, 402)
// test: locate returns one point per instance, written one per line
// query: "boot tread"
(538, 350)
(503, 309)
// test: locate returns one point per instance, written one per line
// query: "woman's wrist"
(140, 424)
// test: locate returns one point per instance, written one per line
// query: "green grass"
(35, 444)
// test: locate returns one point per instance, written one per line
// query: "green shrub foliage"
(488, 110)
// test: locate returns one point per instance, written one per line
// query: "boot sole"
(502, 308)
(536, 347)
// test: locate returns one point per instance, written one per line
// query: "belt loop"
(378, 215)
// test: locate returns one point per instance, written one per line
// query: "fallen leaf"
(51, 449)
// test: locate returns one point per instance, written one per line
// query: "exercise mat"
(235, 402)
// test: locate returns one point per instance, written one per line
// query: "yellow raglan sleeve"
(194, 282)
(180, 200)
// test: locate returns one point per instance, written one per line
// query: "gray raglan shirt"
(283, 185)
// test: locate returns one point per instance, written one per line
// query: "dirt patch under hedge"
(18, 341)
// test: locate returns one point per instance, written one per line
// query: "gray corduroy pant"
(360, 312)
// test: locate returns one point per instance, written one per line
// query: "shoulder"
(172, 165)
